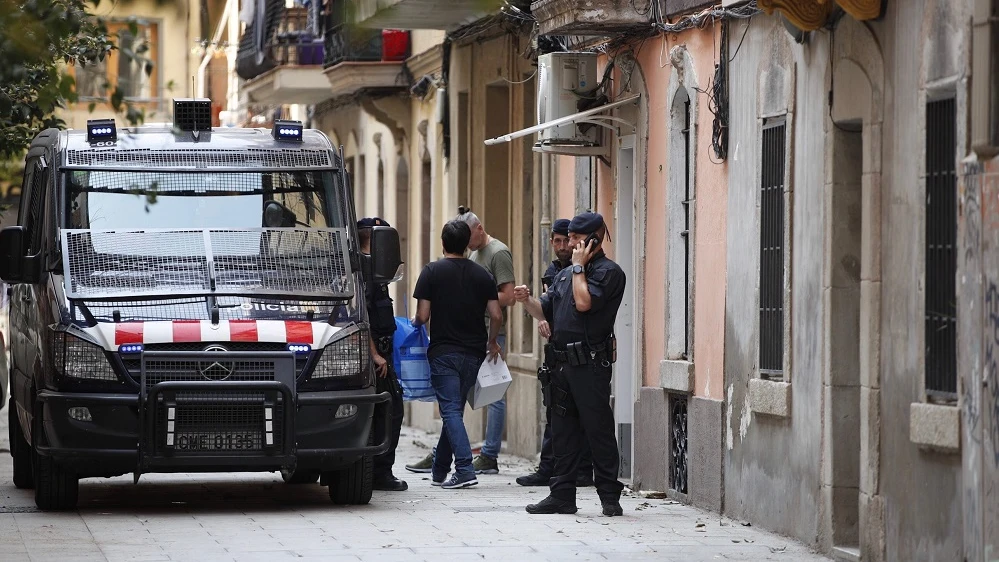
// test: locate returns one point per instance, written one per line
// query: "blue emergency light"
(289, 131)
(130, 348)
(101, 130)
(299, 348)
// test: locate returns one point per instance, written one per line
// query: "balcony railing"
(283, 37)
(345, 42)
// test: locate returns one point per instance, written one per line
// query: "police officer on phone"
(381, 317)
(581, 306)
(559, 239)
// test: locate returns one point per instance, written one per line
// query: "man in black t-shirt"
(456, 293)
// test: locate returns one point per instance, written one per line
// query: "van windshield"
(212, 200)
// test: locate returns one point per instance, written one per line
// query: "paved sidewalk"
(257, 517)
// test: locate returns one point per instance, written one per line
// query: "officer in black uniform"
(559, 239)
(381, 317)
(581, 305)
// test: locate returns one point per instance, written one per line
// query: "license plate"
(217, 441)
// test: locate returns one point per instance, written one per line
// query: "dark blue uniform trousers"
(547, 465)
(587, 419)
(382, 464)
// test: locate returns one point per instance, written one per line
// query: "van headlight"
(344, 362)
(75, 358)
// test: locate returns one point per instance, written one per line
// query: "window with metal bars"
(686, 228)
(772, 249)
(941, 248)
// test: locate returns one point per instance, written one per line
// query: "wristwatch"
(577, 269)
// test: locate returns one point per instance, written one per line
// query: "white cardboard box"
(491, 384)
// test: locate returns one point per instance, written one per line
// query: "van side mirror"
(386, 255)
(13, 250)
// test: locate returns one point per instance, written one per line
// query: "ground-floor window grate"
(678, 443)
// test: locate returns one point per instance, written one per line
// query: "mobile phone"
(592, 236)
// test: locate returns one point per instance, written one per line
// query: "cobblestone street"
(257, 517)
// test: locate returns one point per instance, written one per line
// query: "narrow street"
(258, 517)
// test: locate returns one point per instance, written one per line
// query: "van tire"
(352, 485)
(23, 477)
(56, 487)
(300, 476)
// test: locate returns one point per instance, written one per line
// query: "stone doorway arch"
(852, 283)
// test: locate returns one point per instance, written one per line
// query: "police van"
(189, 299)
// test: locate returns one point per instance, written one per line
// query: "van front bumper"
(120, 433)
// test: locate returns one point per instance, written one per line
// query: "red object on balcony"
(395, 45)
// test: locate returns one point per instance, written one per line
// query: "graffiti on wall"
(971, 212)
(991, 359)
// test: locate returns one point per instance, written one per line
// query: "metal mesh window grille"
(107, 264)
(202, 158)
(151, 184)
(678, 443)
(772, 250)
(941, 248)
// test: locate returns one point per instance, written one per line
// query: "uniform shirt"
(498, 261)
(381, 313)
(606, 281)
(553, 268)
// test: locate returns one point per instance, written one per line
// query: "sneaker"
(459, 481)
(484, 465)
(437, 483)
(534, 479)
(612, 508)
(426, 465)
(584, 480)
(550, 505)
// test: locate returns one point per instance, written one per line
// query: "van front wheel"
(19, 449)
(56, 487)
(352, 485)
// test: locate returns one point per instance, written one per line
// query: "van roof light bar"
(101, 130)
(289, 131)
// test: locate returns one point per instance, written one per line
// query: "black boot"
(612, 508)
(552, 505)
(534, 479)
(389, 484)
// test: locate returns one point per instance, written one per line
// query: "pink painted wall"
(710, 235)
(566, 200)
(711, 208)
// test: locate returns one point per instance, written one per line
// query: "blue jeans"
(495, 419)
(453, 376)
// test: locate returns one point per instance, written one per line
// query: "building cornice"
(427, 62)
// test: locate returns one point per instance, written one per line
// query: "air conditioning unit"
(564, 79)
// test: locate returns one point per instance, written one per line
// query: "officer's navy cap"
(586, 223)
(561, 226)
(372, 221)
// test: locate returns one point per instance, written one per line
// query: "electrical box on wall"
(564, 79)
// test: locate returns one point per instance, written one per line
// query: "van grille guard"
(299, 263)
